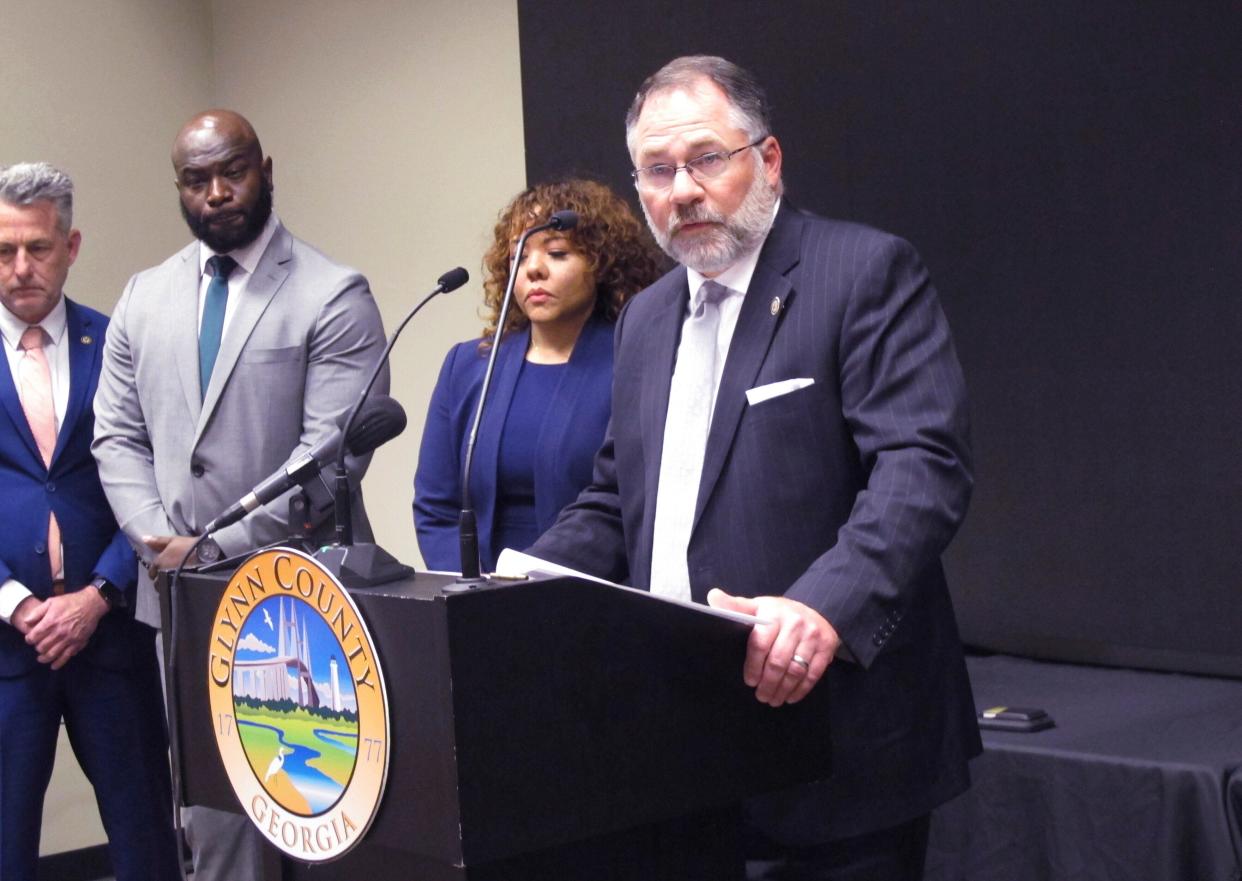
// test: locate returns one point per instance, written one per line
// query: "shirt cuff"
(12, 592)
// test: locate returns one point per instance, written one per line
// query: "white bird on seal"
(277, 763)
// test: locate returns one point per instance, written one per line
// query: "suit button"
(40, 547)
(197, 470)
(51, 486)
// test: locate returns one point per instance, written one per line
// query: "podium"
(544, 729)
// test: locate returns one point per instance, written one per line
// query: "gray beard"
(736, 236)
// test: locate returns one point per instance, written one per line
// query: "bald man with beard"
(239, 352)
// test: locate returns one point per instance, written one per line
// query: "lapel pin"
(775, 308)
(86, 340)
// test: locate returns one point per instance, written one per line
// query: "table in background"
(1140, 779)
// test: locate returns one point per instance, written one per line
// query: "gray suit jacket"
(291, 363)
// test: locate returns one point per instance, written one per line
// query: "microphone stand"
(468, 527)
(367, 564)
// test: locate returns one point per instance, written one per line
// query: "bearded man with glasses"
(789, 439)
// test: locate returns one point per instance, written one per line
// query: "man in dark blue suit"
(69, 647)
(789, 439)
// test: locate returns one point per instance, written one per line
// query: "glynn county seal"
(298, 705)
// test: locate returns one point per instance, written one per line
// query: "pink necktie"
(34, 385)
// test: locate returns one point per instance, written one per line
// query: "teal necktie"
(220, 267)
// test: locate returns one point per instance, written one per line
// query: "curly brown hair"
(618, 248)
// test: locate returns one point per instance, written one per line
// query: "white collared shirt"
(737, 279)
(56, 350)
(247, 258)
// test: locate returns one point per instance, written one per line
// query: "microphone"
(368, 564)
(381, 419)
(451, 280)
(379, 422)
(560, 221)
(467, 525)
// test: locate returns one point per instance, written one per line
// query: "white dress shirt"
(247, 258)
(669, 574)
(737, 279)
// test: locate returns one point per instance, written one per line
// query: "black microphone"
(467, 526)
(369, 564)
(380, 421)
(452, 280)
(560, 220)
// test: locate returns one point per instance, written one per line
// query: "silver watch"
(208, 551)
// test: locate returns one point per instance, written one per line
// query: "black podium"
(544, 729)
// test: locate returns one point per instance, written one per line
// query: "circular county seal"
(298, 704)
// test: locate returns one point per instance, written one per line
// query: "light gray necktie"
(690, 398)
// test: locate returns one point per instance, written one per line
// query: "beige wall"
(99, 88)
(395, 130)
(396, 133)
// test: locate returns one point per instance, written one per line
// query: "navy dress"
(541, 428)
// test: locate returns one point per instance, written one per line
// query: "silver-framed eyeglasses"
(701, 168)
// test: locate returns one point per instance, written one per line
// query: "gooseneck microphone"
(450, 281)
(378, 422)
(368, 564)
(468, 529)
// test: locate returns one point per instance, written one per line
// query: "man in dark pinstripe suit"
(826, 480)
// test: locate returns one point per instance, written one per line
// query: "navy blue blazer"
(93, 545)
(571, 433)
(841, 495)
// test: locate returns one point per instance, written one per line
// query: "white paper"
(761, 393)
(515, 564)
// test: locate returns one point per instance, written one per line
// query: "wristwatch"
(111, 594)
(208, 551)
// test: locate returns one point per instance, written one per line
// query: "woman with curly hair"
(550, 397)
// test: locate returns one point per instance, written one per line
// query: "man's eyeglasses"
(701, 168)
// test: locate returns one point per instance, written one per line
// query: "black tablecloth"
(1140, 779)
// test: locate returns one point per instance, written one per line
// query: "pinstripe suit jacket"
(841, 495)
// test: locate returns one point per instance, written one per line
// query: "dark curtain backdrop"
(1070, 173)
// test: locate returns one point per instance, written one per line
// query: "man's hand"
(793, 630)
(28, 611)
(169, 550)
(61, 626)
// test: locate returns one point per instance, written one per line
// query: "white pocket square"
(761, 393)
